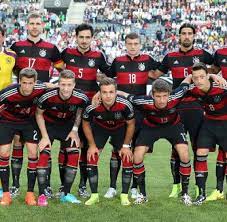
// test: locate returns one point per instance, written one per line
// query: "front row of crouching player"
(41, 115)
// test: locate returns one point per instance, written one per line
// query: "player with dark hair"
(212, 132)
(132, 74)
(58, 116)
(35, 53)
(161, 120)
(18, 116)
(180, 64)
(113, 117)
(85, 63)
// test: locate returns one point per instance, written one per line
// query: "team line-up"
(82, 115)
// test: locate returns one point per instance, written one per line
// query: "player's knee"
(138, 154)
(202, 152)
(43, 159)
(72, 157)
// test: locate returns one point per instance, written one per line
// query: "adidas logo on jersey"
(22, 51)
(176, 62)
(17, 106)
(72, 60)
(223, 61)
(122, 67)
(99, 117)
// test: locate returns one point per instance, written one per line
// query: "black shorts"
(101, 135)
(138, 124)
(192, 119)
(175, 134)
(212, 133)
(58, 132)
(28, 131)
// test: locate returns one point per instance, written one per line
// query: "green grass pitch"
(159, 208)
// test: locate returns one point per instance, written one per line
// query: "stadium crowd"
(156, 21)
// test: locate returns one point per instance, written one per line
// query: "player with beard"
(85, 63)
(180, 64)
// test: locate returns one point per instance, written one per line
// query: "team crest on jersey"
(118, 115)
(8, 60)
(217, 99)
(72, 108)
(141, 66)
(223, 60)
(91, 62)
(42, 52)
(195, 60)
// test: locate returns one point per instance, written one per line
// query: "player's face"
(161, 99)
(201, 79)
(34, 27)
(133, 46)
(26, 85)
(84, 39)
(108, 94)
(2, 39)
(66, 87)
(187, 37)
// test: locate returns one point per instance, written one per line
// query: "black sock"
(42, 179)
(31, 173)
(175, 167)
(134, 182)
(126, 179)
(4, 173)
(115, 165)
(83, 174)
(201, 173)
(92, 172)
(185, 172)
(141, 183)
(49, 171)
(16, 164)
(70, 174)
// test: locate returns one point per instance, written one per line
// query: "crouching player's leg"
(70, 170)
(139, 173)
(31, 173)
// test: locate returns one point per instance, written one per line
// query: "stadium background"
(157, 22)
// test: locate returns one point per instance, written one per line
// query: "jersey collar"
(34, 42)
(83, 53)
(187, 51)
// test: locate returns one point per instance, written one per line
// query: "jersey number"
(132, 78)
(211, 107)
(31, 62)
(185, 72)
(80, 75)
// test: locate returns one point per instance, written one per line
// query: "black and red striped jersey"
(40, 56)
(220, 60)
(113, 118)
(19, 108)
(214, 101)
(155, 117)
(132, 74)
(180, 63)
(85, 67)
(59, 111)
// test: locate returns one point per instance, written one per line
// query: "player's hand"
(73, 135)
(218, 79)
(96, 99)
(44, 142)
(92, 152)
(125, 154)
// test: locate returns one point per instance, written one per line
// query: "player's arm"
(104, 67)
(45, 141)
(218, 79)
(73, 134)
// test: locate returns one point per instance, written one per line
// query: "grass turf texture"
(159, 207)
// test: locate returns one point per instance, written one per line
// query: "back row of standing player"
(131, 70)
